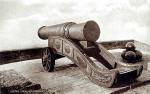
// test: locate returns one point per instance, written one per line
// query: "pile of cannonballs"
(131, 55)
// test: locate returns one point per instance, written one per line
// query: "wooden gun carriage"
(78, 43)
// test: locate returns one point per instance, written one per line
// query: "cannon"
(78, 43)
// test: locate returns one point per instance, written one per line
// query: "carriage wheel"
(48, 60)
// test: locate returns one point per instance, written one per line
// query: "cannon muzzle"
(88, 31)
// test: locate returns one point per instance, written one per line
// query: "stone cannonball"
(130, 55)
(130, 46)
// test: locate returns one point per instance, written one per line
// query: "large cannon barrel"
(88, 31)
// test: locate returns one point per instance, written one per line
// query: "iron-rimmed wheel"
(48, 60)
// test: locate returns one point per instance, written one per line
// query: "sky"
(117, 19)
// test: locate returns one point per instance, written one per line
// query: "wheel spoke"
(47, 65)
(44, 58)
(43, 61)
(46, 52)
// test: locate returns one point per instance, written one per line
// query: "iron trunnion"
(78, 43)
